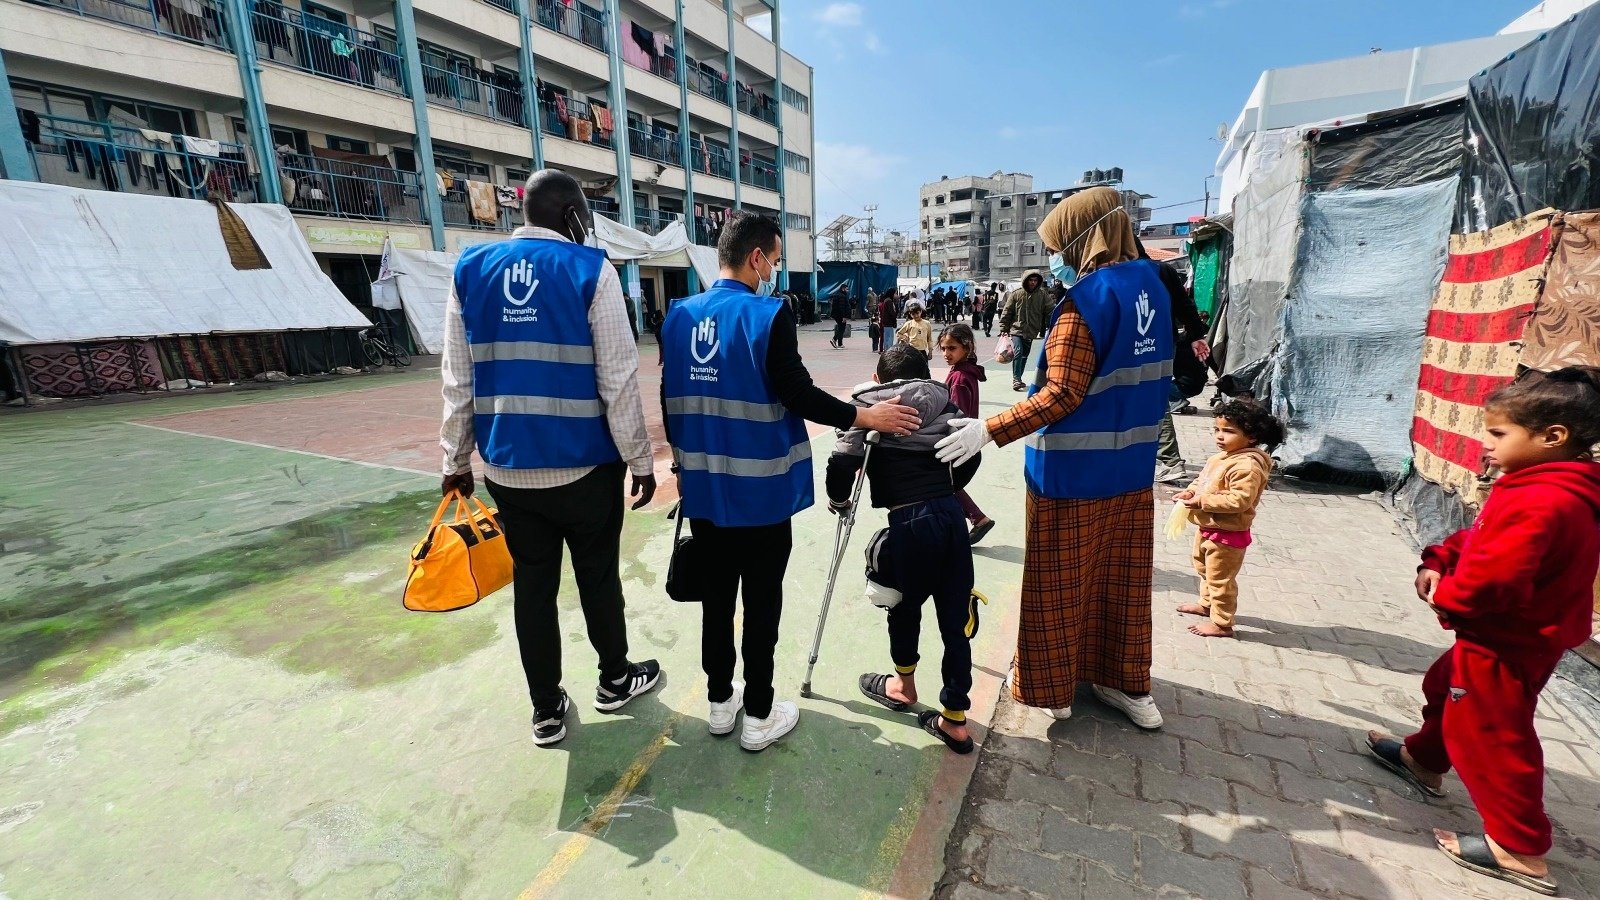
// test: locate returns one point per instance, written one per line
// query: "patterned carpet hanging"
(1474, 332)
(1565, 330)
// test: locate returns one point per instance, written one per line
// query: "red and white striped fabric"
(1472, 344)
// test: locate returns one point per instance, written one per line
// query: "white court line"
(354, 462)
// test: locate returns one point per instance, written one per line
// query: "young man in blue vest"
(737, 397)
(540, 375)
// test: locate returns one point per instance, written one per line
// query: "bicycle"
(375, 344)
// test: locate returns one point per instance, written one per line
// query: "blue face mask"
(1060, 269)
(766, 286)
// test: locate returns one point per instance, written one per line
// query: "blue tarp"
(860, 277)
(960, 287)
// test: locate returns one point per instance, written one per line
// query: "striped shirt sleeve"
(455, 435)
(616, 370)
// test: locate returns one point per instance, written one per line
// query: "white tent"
(669, 248)
(82, 265)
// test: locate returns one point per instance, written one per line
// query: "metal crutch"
(841, 541)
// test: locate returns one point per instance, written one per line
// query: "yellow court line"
(558, 866)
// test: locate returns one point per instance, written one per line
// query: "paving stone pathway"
(1259, 786)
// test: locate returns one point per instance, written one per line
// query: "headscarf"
(1092, 229)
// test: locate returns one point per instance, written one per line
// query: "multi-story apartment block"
(416, 120)
(955, 223)
(1014, 245)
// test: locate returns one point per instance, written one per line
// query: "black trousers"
(755, 560)
(840, 329)
(586, 516)
(928, 554)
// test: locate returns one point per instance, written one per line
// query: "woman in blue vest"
(1091, 423)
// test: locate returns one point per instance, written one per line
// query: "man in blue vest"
(540, 375)
(736, 397)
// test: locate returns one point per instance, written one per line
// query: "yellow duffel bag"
(460, 562)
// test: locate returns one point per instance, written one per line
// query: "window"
(796, 99)
(1033, 201)
(1005, 225)
(1003, 250)
(1005, 202)
(924, 202)
(961, 219)
(798, 222)
(1031, 223)
(797, 162)
(516, 177)
(958, 196)
(938, 222)
(1029, 249)
(294, 139)
(939, 200)
(348, 145)
(924, 224)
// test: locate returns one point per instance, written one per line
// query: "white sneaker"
(1171, 474)
(723, 714)
(1141, 710)
(1061, 714)
(759, 734)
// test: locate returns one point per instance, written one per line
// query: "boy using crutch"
(925, 552)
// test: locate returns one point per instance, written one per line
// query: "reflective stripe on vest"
(1107, 446)
(744, 459)
(536, 402)
(728, 409)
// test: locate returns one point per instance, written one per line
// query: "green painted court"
(208, 686)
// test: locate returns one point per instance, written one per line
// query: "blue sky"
(908, 90)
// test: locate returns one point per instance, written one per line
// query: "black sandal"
(929, 720)
(1476, 856)
(1387, 752)
(876, 686)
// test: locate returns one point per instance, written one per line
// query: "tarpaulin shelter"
(98, 300)
(1521, 284)
(960, 287)
(859, 277)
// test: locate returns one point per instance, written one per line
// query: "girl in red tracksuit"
(960, 348)
(1517, 588)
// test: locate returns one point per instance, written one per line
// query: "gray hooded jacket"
(903, 469)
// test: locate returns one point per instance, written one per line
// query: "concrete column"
(530, 83)
(240, 33)
(405, 27)
(16, 162)
(811, 113)
(617, 94)
(683, 142)
(783, 154)
(733, 109)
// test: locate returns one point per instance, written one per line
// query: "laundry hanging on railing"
(507, 196)
(202, 146)
(481, 201)
(639, 52)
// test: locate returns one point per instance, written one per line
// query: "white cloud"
(842, 15)
(849, 175)
(873, 44)
(1164, 61)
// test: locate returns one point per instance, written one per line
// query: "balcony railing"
(329, 49)
(579, 22)
(197, 21)
(702, 82)
(101, 156)
(506, 5)
(330, 187)
(665, 66)
(457, 205)
(759, 173)
(659, 147)
(651, 221)
(711, 160)
(762, 106)
(605, 206)
(573, 119)
(471, 95)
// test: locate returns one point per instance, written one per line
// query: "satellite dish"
(1222, 131)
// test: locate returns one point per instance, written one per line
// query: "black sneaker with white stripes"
(639, 679)
(548, 724)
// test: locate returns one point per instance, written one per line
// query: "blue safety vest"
(743, 458)
(536, 404)
(1107, 446)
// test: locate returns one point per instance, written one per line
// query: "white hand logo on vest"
(704, 334)
(1147, 316)
(522, 274)
(1144, 317)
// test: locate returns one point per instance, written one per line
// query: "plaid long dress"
(1088, 567)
